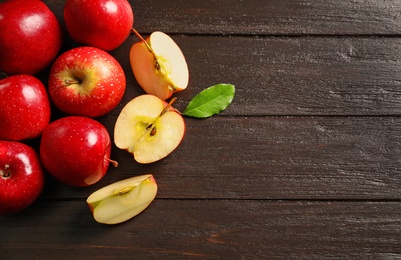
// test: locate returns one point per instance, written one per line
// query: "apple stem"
(168, 106)
(157, 65)
(69, 82)
(115, 163)
(5, 173)
(145, 42)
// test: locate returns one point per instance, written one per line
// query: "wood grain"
(300, 76)
(273, 17)
(209, 229)
(261, 18)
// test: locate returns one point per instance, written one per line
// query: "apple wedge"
(122, 200)
(159, 65)
(149, 128)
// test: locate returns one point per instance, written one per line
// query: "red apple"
(21, 177)
(105, 24)
(30, 36)
(24, 107)
(86, 81)
(76, 150)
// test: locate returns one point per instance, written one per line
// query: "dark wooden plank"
(273, 17)
(208, 229)
(271, 158)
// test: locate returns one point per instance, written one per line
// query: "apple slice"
(159, 65)
(122, 200)
(149, 128)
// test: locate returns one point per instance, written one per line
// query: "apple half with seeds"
(159, 65)
(149, 128)
(122, 200)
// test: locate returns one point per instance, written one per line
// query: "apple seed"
(151, 125)
(153, 130)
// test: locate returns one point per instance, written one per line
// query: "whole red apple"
(21, 177)
(76, 150)
(24, 107)
(105, 24)
(86, 81)
(30, 36)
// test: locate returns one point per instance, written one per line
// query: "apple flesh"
(21, 177)
(122, 200)
(76, 150)
(30, 36)
(103, 24)
(159, 65)
(24, 107)
(149, 128)
(86, 81)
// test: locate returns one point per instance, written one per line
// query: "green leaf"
(210, 101)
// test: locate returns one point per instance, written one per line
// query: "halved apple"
(122, 200)
(149, 128)
(159, 65)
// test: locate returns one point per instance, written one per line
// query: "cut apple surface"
(149, 128)
(159, 65)
(122, 200)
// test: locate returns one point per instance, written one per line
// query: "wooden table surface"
(304, 164)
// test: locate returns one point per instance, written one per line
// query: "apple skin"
(105, 24)
(24, 107)
(21, 177)
(159, 65)
(100, 82)
(30, 36)
(145, 73)
(76, 150)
